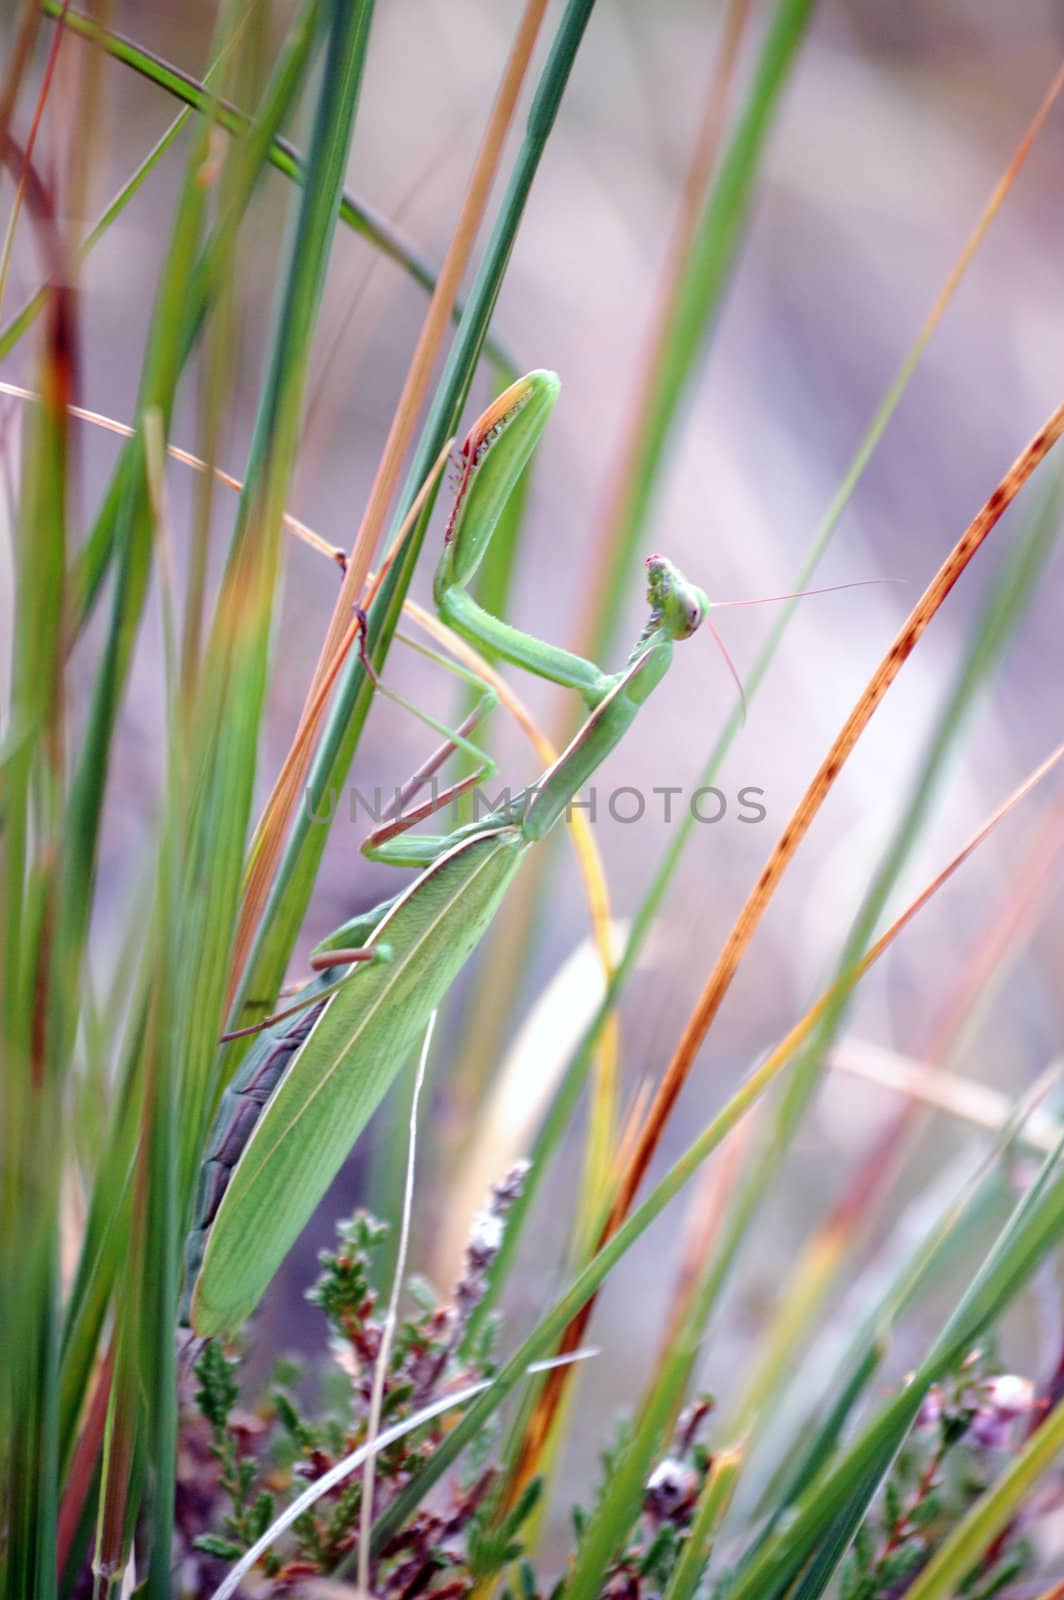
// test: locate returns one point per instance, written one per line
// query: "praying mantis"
(316, 1073)
(318, 1069)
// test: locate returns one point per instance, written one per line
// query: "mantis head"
(681, 608)
(677, 606)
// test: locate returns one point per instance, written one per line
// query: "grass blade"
(291, 888)
(196, 94)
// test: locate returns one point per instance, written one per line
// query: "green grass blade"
(34, 1076)
(698, 300)
(990, 635)
(202, 285)
(622, 1496)
(293, 884)
(958, 1552)
(356, 214)
(712, 1506)
(23, 320)
(830, 1513)
(224, 742)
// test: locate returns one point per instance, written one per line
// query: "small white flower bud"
(485, 1238)
(1010, 1395)
(671, 1489)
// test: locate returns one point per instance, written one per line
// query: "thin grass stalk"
(23, 178)
(988, 641)
(198, 95)
(814, 1275)
(221, 338)
(18, 61)
(272, 831)
(293, 883)
(119, 1466)
(760, 896)
(706, 237)
(572, 1083)
(201, 285)
(738, 1106)
(508, 957)
(415, 386)
(34, 1076)
(224, 741)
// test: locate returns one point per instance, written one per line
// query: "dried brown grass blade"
(786, 847)
(273, 829)
(738, 941)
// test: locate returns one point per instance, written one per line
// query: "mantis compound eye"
(681, 606)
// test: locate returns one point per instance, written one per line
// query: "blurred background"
(896, 127)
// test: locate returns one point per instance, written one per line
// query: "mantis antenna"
(769, 599)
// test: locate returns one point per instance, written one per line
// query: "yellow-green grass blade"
(203, 280)
(650, 906)
(992, 630)
(989, 637)
(963, 1545)
(827, 1517)
(1033, 1228)
(354, 1052)
(34, 1076)
(226, 721)
(294, 881)
(355, 213)
(712, 1506)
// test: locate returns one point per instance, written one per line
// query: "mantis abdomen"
(334, 1077)
(238, 1112)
